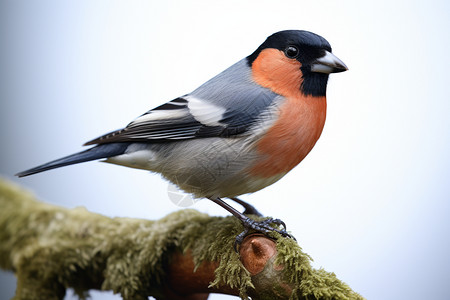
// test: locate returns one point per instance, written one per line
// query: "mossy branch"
(185, 255)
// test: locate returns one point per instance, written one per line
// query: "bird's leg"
(260, 226)
(248, 208)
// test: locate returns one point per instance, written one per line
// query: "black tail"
(97, 152)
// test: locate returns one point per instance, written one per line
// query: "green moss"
(310, 283)
(52, 248)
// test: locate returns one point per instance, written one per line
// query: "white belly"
(210, 167)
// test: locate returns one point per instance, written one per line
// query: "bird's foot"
(264, 226)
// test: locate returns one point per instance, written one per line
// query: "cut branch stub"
(257, 253)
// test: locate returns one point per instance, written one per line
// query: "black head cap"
(311, 45)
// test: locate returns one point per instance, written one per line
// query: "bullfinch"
(237, 133)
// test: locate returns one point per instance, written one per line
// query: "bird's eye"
(291, 51)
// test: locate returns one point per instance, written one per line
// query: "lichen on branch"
(185, 255)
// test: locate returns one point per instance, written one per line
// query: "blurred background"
(371, 202)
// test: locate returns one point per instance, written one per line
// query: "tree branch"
(185, 255)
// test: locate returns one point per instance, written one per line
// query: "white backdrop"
(370, 202)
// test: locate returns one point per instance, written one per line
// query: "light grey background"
(371, 201)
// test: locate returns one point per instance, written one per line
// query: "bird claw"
(274, 221)
(261, 226)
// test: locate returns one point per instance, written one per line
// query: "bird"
(237, 133)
